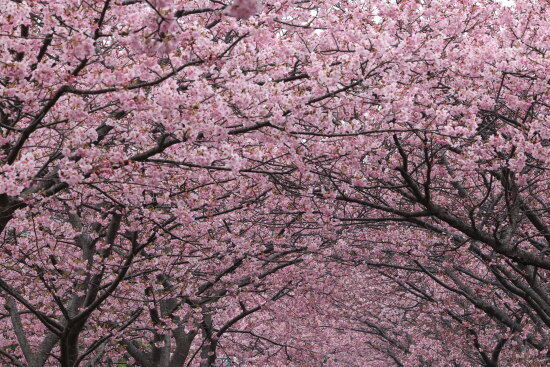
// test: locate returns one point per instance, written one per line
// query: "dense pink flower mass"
(283, 183)
(243, 9)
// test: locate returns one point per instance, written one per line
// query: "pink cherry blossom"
(281, 183)
(243, 9)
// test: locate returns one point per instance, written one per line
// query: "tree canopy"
(274, 183)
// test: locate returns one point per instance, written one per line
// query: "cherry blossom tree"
(434, 162)
(334, 183)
